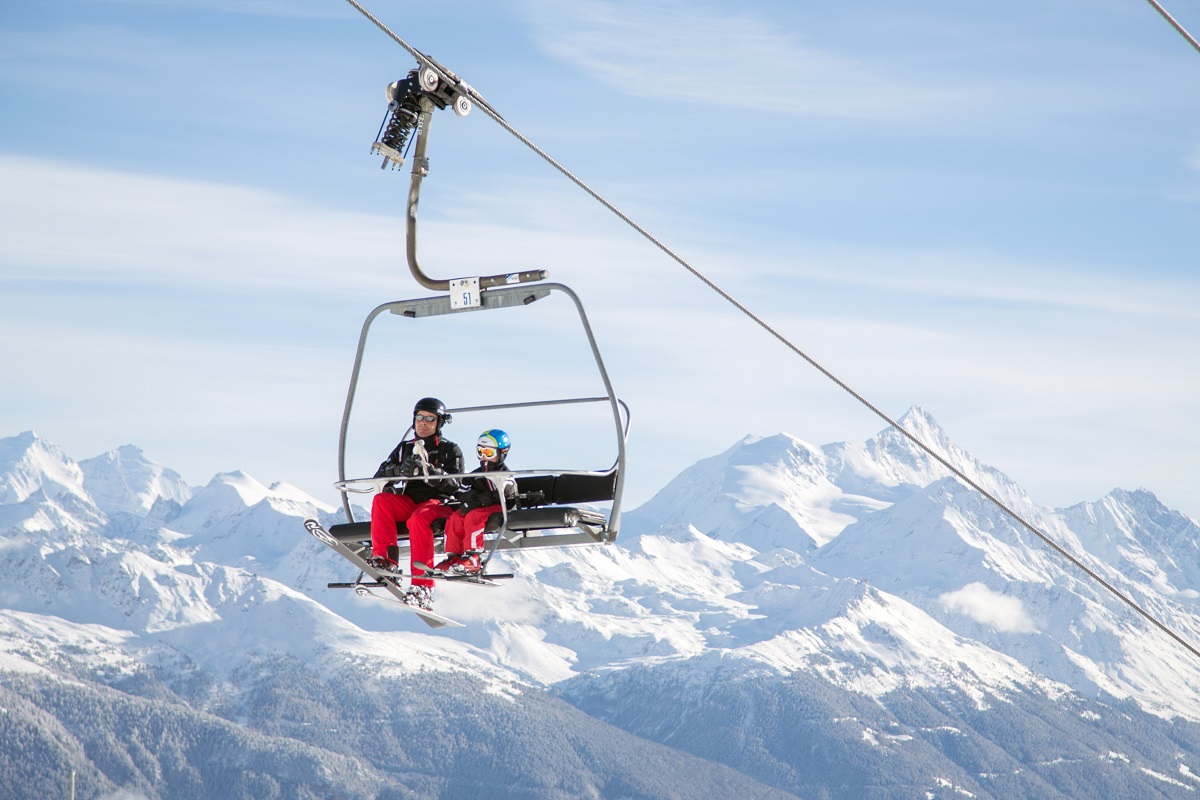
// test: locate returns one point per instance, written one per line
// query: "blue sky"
(988, 212)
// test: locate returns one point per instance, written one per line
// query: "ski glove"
(401, 470)
(409, 467)
(470, 500)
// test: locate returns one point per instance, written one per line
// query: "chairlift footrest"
(481, 578)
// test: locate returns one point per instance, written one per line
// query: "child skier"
(464, 528)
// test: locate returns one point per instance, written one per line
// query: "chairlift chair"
(550, 510)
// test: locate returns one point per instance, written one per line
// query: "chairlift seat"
(542, 505)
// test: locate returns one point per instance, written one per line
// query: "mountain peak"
(1135, 532)
(292, 493)
(922, 425)
(125, 481)
(29, 463)
(771, 491)
(917, 418)
(249, 488)
(892, 459)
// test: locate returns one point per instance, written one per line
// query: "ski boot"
(384, 564)
(419, 596)
(444, 566)
(467, 564)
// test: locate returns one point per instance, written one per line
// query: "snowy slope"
(861, 566)
(155, 671)
(74, 585)
(912, 533)
(730, 568)
(953, 554)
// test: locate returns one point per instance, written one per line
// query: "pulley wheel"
(429, 79)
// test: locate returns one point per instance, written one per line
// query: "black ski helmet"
(433, 406)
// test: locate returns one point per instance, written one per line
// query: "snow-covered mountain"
(124, 481)
(779, 491)
(771, 602)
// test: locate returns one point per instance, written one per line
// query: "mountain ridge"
(859, 572)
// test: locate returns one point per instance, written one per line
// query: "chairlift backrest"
(570, 489)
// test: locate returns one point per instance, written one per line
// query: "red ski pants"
(389, 509)
(465, 531)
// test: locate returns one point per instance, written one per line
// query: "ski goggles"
(486, 452)
(425, 418)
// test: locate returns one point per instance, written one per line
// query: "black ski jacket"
(479, 492)
(444, 457)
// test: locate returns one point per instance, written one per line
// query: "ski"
(480, 580)
(384, 580)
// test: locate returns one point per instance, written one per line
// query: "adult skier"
(420, 501)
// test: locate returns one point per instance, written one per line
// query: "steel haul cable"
(1175, 24)
(482, 103)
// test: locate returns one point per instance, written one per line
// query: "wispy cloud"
(60, 222)
(977, 601)
(710, 56)
(1193, 162)
(303, 9)
(998, 280)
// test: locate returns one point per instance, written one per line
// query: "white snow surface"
(865, 563)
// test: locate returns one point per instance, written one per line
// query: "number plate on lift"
(464, 293)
